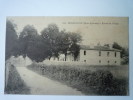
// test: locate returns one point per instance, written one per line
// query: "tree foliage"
(75, 39)
(124, 52)
(27, 38)
(60, 41)
(11, 39)
(50, 36)
(116, 46)
(51, 42)
(32, 45)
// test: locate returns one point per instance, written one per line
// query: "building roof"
(101, 48)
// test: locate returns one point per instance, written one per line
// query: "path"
(42, 85)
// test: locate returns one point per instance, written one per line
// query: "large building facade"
(96, 55)
(100, 55)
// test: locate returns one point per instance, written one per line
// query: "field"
(89, 79)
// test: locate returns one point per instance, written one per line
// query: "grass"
(15, 84)
(90, 80)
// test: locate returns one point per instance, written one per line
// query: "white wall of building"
(92, 57)
(69, 57)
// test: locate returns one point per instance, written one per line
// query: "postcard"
(67, 56)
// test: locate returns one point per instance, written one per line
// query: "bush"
(101, 78)
(99, 82)
(15, 84)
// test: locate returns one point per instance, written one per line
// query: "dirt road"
(41, 85)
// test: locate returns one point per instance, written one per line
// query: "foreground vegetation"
(90, 81)
(15, 84)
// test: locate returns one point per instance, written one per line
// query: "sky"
(94, 30)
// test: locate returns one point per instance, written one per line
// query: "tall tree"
(38, 49)
(75, 39)
(27, 38)
(61, 41)
(11, 38)
(117, 46)
(50, 35)
(124, 52)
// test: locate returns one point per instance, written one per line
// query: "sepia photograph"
(83, 56)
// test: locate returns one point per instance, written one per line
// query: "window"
(107, 53)
(99, 53)
(84, 60)
(108, 61)
(115, 61)
(99, 61)
(84, 52)
(115, 54)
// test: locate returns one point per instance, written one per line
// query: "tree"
(11, 39)
(32, 45)
(116, 46)
(75, 39)
(61, 41)
(50, 35)
(124, 52)
(38, 50)
(74, 49)
(68, 41)
(27, 37)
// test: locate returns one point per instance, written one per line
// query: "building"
(99, 55)
(95, 55)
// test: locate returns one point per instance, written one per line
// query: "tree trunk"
(65, 56)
